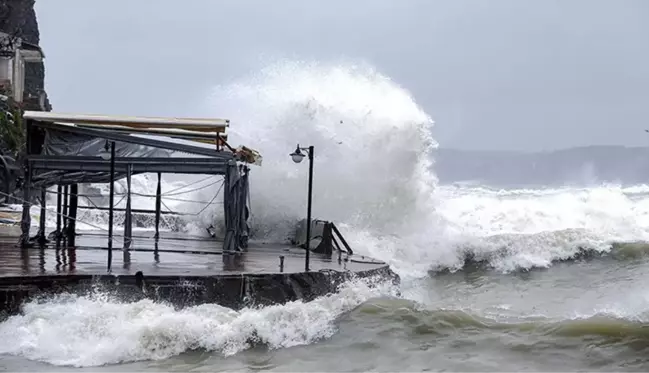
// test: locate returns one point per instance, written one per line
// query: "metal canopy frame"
(113, 136)
(194, 124)
(209, 166)
(64, 170)
(42, 169)
(186, 135)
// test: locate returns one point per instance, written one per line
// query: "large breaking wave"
(375, 178)
(522, 229)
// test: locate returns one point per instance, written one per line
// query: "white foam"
(539, 226)
(95, 330)
(372, 141)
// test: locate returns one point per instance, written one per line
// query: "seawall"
(232, 291)
(180, 272)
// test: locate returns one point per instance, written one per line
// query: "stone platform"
(179, 269)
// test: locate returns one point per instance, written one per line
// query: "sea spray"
(373, 173)
(374, 177)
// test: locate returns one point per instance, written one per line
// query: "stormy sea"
(509, 276)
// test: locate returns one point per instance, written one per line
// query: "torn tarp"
(66, 143)
(235, 197)
(59, 143)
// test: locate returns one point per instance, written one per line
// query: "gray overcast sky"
(493, 74)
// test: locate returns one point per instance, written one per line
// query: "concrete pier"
(65, 150)
(183, 271)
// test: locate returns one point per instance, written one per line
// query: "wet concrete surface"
(178, 269)
(173, 255)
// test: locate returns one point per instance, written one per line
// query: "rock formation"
(18, 18)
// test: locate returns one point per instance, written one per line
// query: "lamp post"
(105, 155)
(297, 157)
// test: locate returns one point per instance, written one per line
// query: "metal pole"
(158, 202)
(128, 224)
(7, 179)
(65, 208)
(308, 213)
(41, 222)
(59, 195)
(134, 211)
(25, 221)
(110, 207)
(72, 213)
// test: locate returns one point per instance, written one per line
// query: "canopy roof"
(69, 151)
(190, 124)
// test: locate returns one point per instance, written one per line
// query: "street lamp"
(106, 155)
(297, 157)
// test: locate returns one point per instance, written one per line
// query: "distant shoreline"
(578, 166)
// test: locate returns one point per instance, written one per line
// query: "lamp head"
(297, 155)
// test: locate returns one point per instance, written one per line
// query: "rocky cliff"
(17, 17)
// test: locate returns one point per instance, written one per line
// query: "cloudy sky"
(493, 74)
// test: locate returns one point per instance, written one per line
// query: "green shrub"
(11, 131)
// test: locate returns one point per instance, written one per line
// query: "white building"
(14, 54)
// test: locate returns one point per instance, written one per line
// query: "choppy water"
(544, 279)
(573, 316)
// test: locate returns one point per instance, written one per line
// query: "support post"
(226, 208)
(65, 208)
(7, 179)
(340, 252)
(25, 221)
(243, 209)
(42, 238)
(128, 217)
(158, 203)
(156, 253)
(59, 211)
(111, 202)
(72, 223)
(308, 213)
(231, 190)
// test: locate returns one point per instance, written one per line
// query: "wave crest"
(607, 328)
(95, 330)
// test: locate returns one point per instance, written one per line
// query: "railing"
(330, 238)
(342, 239)
(134, 211)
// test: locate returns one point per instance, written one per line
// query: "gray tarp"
(236, 211)
(61, 143)
(243, 209)
(66, 143)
